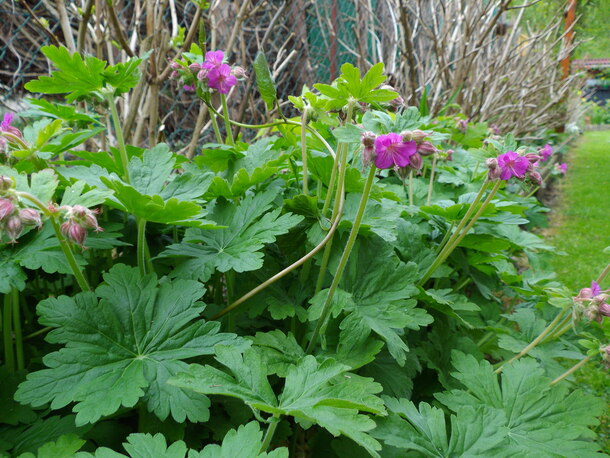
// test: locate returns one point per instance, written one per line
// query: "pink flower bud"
(492, 163)
(419, 135)
(449, 154)
(533, 158)
(203, 74)
(416, 161)
(368, 152)
(239, 72)
(6, 208)
(73, 231)
(30, 217)
(494, 170)
(406, 135)
(604, 309)
(174, 75)
(368, 139)
(175, 65)
(536, 178)
(462, 124)
(195, 66)
(425, 148)
(13, 227)
(6, 183)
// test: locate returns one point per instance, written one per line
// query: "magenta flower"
(391, 150)
(546, 151)
(213, 59)
(595, 289)
(189, 87)
(221, 79)
(5, 127)
(512, 165)
(563, 167)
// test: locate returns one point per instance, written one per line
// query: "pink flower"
(6, 208)
(74, 231)
(392, 150)
(221, 79)
(595, 289)
(213, 59)
(512, 165)
(189, 87)
(546, 151)
(5, 126)
(563, 168)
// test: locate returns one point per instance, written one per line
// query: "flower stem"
(446, 250)
(287, 270)
(431, 180)
(122, 159)
(275, 420)
(7, 333)
(534, 342)
(411, 187)
(573, 369)
(344, 258)
(141, 250)
(603, 275)
(215, 127)
(225, 113)
(331, 183)
(63, 243)
(304, 150)
(17, 328)
(335, 214)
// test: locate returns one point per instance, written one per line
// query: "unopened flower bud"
(494, 170)
(462, 124)
(6, 183)
(239, 72)
(6, 208)
(425, 148)
(175, 65)
(73, 231)
(406, 135)
(368, 151)
(536, 178)
(30, 217)
(532, 157)
(604, 309)
(416, 161)
(449, 154)
(13, 227)
(203, 74)
(195, 66)
(418, 135)
(174, 75)
(396, 102)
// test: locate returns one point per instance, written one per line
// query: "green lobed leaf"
(125, 340)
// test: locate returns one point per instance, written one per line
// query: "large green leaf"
(249, 226)
(314, 392)
(473, 433)
(542, 420)
(123, 342)
(245, 442)
(376, 288)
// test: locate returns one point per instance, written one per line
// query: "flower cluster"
(511, 164)
(213, 72)
(14, 216)
(396, 150)
(9, 133)
(592, 302)
(562, 168)
(78, 220)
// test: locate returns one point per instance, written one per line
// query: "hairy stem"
(573, 369)
(534, 342)
(270, 433)
(141, 249)
(411, 187)
(225, 113)
(304, 150)
(63, 243)
(344, 258)
(122, 159)
(603, 275)
(431, 180)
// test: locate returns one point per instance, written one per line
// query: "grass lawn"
(581, 229)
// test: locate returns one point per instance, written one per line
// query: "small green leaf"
(348, 133)
(264, 80)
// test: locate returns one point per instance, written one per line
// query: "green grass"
(581, 229)
(581, 226)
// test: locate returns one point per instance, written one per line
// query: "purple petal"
(403, 152)
(506, 174)
(381, 143)
(520, 166)
(595, 289)
(383, 160)
(6, 121)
